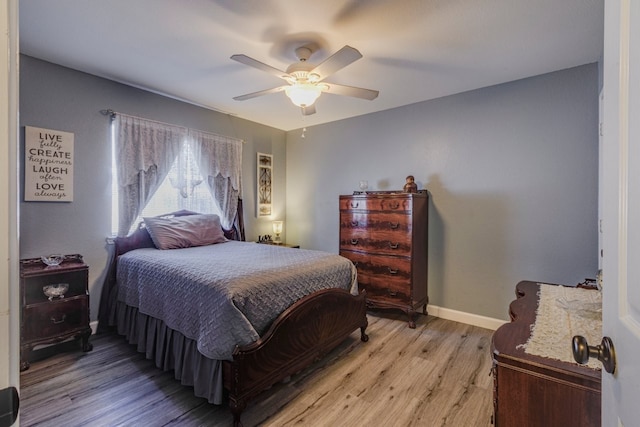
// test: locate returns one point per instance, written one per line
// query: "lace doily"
(562, 313)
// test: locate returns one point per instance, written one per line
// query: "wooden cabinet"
(385, 235)
(51, 319)
(534, 391)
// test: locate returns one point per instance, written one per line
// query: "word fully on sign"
(48, 164)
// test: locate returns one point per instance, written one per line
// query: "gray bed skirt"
(171, 351)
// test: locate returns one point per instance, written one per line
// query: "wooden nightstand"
(49, 320)
(281, 244)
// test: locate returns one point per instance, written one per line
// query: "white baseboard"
(466, 318)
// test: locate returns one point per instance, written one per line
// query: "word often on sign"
(48, 164)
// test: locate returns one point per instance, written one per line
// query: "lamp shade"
(303, 94)
(277, 227)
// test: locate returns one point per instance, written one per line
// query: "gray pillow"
(185, 231)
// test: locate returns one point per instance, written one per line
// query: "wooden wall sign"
(48, 165)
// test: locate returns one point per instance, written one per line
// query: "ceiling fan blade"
(337, 61)
(259, 93)
(244, 59)
(356, 92)
(308, 110)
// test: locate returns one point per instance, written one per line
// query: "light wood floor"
(435, 375)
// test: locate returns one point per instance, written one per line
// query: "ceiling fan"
(306, 81)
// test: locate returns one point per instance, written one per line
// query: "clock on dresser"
(60, 313)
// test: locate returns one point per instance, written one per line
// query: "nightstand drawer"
(77, 281)
(49, 319)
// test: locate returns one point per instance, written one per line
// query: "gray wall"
(512, 171)
(59, 98)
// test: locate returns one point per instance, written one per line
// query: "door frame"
(9, 191)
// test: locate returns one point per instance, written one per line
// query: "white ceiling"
(414, 50)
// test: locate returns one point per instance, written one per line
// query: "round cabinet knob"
(604, 352)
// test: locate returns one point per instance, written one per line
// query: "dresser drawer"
(399, 246)
(381, 297)
(362, 222)
(389, 291)
(387, 282)
(385, 273)
(378, 233)
(54, 318)
(399, 203)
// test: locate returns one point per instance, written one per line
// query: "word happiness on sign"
(48, 164)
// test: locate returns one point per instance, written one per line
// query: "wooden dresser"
(385, 235)
(531, 390)
(48, 320)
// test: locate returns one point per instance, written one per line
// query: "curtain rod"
(109, 112)
(112, 115)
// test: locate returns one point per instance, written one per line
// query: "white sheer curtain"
(145, 152)
(220, 161)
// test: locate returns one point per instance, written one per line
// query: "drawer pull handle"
(394, 225)
(392, 293)
(396, 205)
(354, 223)
(354, 205)
(393, 245)
(393, 271)
(354, 241)
(58, 321)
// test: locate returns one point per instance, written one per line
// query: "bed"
(230, 318)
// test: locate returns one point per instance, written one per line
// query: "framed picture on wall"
(264, 186)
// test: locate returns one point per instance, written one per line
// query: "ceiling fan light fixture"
(306, 81)
(303, 94)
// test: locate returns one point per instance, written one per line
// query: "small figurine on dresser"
(410, 186)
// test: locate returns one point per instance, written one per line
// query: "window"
(168, 167)
(183, 188)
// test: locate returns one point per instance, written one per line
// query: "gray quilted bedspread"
(228, 293)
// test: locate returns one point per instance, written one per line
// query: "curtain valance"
(223, 156)
(142, 144)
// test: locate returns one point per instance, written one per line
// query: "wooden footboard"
(301, 335)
